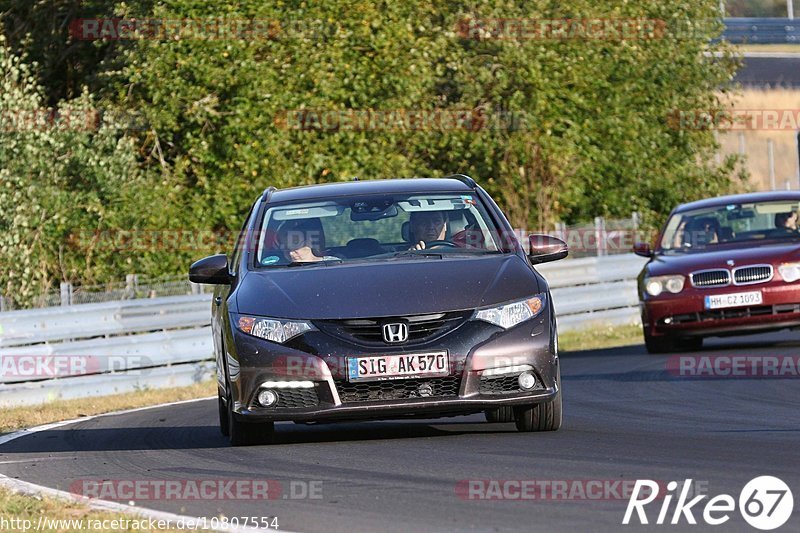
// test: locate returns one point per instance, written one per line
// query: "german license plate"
(735, 299)
(384, 367)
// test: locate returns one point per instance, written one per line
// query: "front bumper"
(685, 315)
(319, 358)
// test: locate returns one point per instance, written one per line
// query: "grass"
(599, 337)
(754, 142)
(775, 48)
(61, 516)
(20, 507)
(23, 417)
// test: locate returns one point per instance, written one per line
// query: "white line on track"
(31, 489)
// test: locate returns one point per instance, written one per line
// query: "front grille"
(752, 274)
(399, 389)
(710, 278)
(297, 398)
(734, 313)
(369, 331)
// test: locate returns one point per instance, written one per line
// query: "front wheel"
(244, 434)
(546, 416)
(224, 424)
(501, 414)
(665, 344)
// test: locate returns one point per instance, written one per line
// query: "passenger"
(303, 241)
(786, 221)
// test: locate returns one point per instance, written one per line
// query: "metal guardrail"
(762, 30)
(163, 342)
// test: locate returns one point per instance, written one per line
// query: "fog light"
(527, 381)
(267, 398)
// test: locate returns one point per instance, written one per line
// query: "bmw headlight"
(658, 284)
(510, 315)
(790, 272)
(272, 329)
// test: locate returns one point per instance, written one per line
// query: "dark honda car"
(382, 299)
(722, 266)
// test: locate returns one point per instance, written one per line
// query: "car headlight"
(790, 272)
(272, 329)
(658, 284)
(510, 315)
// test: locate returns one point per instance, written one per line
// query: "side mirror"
(212, 270)
(545, 248)
(642, 249)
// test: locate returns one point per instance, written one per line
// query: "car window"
(752, 222)
(374, 228)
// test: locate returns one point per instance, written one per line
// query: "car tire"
(691, 344)
(500, 415)
(248, 434)
(658, 345)
(224, 424)
(545, 416)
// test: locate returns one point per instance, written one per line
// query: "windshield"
(375, 228)
(734, 223)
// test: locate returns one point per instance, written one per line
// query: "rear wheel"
(545, 416)
(501, 414)
(244, 434)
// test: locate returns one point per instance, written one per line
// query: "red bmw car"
(722, 266)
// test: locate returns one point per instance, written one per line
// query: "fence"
(762, 30)
(599, 238)
(166, 341)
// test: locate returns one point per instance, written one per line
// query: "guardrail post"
(131, 284)
(2, 303)
(771, 161)
(66, 293)
(600, 235)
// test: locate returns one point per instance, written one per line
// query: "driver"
(426, 227)
(786, 221)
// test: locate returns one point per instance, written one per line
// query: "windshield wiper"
(417, 253)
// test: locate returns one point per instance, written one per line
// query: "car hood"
(387, 288)
(718, 258)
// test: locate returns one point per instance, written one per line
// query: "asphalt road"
(625, 418)
(776, 70)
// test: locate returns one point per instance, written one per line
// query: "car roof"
(772, 196)
(381, 186)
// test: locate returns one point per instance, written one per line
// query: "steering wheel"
(433, 244)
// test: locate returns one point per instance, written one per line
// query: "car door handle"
(218, 300)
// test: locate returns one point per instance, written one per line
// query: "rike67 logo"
(765, 503)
